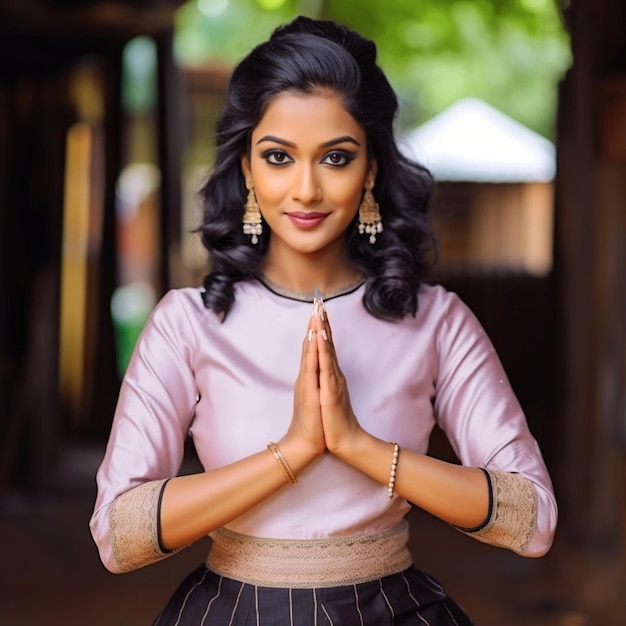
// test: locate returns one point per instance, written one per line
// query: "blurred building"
(494, 204)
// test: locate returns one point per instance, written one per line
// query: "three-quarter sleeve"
(477, 409)
(146, 445)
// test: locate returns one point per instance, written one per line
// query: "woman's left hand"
(456, 494)
(338, 419)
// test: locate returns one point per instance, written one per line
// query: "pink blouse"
(230, 387)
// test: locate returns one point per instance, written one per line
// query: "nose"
(306, 186)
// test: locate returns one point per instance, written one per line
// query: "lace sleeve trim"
(513, 517)
(134, 526)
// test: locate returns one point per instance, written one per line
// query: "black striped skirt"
(407, 598)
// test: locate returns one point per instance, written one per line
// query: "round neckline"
(300, 296)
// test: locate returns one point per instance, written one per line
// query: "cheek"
(267, 182)
(347, 193)
(269, 189)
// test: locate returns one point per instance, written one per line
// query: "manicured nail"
(310, 335)
(322, 307)
(324, 334)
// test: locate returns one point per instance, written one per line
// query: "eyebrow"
(326, 144)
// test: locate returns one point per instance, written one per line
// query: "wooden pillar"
(591, 240)
(170, 133)
(32, 125)
(106, 380)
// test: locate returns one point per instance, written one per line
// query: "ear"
(372, 170)
(245, 170)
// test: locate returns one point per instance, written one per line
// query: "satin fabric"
(229, 385)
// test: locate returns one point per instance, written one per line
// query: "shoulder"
(435, 301)
(447, 316)
(187, 304)
(186, 300)
(180, 311)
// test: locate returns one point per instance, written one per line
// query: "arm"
(487, 428)
(479, 412)
(155, 407)
(195, 505)
(456, 494)
(144, 511)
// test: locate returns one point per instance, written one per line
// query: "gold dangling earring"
(370, 222)
(252, 216)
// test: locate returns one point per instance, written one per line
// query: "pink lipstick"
(306, 220)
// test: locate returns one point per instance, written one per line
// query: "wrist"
(352, 446)
(372, 456)
(298, 454)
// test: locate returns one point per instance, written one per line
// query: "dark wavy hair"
(304, 56)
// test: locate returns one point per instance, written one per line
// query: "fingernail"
(322, 307)
(324, 334)
(310, 336)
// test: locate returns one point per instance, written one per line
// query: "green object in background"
(131, 306)
(139, 71)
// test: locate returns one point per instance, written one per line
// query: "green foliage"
(510, 53)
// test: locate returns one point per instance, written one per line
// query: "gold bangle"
(394, 467)
(278, 455)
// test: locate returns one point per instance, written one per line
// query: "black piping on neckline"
(308, 299)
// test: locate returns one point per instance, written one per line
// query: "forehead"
(320, 113)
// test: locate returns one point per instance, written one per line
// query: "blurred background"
(107, 111)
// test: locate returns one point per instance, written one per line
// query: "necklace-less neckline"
(292, 294)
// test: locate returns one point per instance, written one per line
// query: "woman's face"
(308, 164)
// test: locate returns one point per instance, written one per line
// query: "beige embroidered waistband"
(306, 563)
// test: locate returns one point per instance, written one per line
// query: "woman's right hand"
(194, 505)
(306, 429)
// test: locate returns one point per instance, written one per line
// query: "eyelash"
(346, 156)
(268, 154)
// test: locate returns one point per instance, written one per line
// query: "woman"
(314, 330)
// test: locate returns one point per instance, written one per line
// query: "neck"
(304, 272)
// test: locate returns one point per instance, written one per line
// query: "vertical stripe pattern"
(410, 598)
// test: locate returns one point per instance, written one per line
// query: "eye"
(338, 158)
(276, 157)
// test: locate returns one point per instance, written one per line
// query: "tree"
(511, 53)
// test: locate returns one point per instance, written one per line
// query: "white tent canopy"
(473, 142)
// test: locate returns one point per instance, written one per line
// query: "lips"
(306, 220)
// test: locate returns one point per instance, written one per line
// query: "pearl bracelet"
(394, 467)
